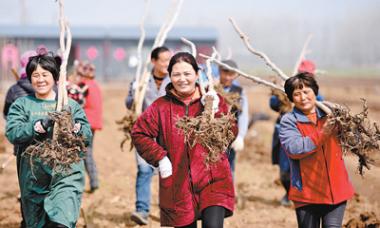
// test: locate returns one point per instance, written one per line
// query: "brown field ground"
(257, 181)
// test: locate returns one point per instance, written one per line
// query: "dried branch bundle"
(63, 151)
(126, 125)
(214, 134)
(65, 147)
(357, 133)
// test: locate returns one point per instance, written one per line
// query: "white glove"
(238, 144)
(76, 128)
(39, 128)
(215, 102)
(165, 167)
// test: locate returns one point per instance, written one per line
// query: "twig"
(229, 53)
(259, 80)
(141, 42)
(159, 41)
(253, 78)
(65, 50)
(262, 55)
(15, 74)
(194, 53)
(302, 55)
(218, 56)
(209, 71)
(192, 46)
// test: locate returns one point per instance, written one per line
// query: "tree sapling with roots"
(212, 132)
(66, 147)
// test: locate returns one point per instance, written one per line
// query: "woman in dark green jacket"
(48, 198)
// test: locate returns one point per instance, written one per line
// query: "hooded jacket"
(193, 186)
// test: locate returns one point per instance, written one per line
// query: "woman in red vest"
(320, 186)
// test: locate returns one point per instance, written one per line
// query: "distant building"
(112, 50)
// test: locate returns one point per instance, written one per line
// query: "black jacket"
(22, 88)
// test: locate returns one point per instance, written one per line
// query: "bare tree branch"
(259, 80)
(302, 54)
(262, 55)
(65, 51)
(194, 53)
(159, 41)
(253, 78)
(141, 42)
(192, 46)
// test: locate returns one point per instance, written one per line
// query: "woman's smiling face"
(42, 83)
(184, 77)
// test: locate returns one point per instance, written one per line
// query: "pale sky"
(344, 31)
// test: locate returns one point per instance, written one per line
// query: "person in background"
(189, 189)
(22, 87)
(320, 185)
(93, 107)
(48, 199)
(158, 80)
(227, 77)
(280, 103)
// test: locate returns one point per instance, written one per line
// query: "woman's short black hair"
(46, 61)
(298, 82)
(183, 57)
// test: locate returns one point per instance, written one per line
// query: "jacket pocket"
(166, 193)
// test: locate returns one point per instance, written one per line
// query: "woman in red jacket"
(320, 186)
(189, 190)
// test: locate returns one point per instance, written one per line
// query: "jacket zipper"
(195, 203)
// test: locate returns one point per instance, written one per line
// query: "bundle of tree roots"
(215, 134)
(126, 125)
(63, 150)
(357, 133)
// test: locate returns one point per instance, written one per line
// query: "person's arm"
(79, 116)
(131, 94)
(296, 145)
(19, 128)
(144, 133)
(243, 116)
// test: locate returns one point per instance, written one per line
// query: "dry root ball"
(126, 125)
(64, 149)
(232, 99)
(214, 134)
(365, 220)
(357, 134)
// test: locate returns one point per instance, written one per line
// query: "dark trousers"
(212, 217)
(310, 216)
(90, 165)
